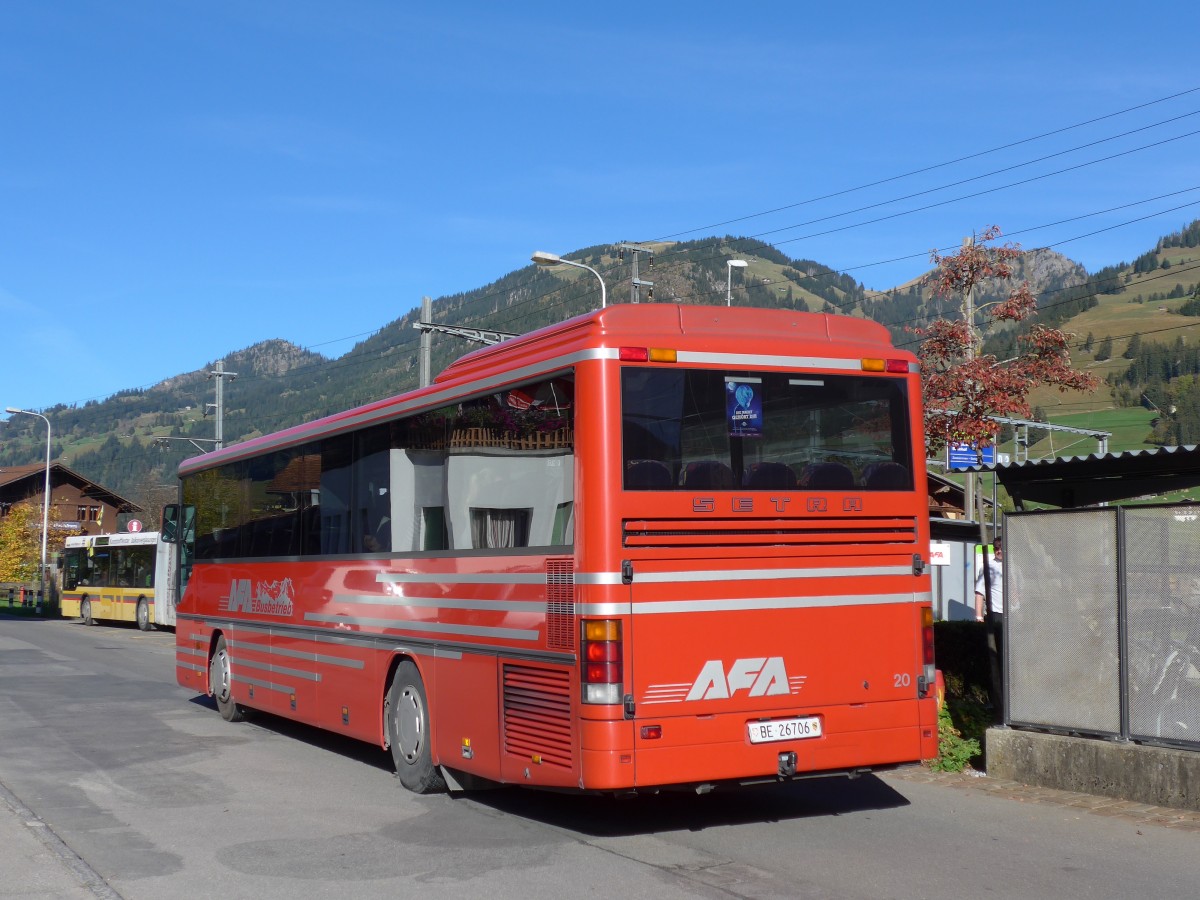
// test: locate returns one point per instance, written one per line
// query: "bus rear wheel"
(220, 682)
(408, 732)
(85, 611)
(143, 615)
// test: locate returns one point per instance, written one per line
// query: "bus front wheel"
(143, 615)
(85, 611)
(408, 732)
(220, 682)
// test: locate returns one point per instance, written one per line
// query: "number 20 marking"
(901, 679)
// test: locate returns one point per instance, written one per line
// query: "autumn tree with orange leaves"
(964, 387)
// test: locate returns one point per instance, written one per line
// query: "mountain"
(133, 441)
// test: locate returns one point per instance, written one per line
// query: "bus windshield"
(694, 429)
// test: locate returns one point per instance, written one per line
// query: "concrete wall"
(1155, 775)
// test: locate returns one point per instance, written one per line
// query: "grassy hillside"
(132, 442)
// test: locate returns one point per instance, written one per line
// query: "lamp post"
(542, 258)
(46, 494)
(741, 264)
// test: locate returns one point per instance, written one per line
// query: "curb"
(1129, 810)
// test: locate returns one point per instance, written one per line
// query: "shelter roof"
(1099, 477)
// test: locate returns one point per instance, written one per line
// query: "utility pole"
(636, 282)
(425, 356)
(220, 375)
(475, 335)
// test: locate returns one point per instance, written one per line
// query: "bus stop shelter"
(1076, 481)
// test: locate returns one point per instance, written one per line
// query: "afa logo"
(267, 598)
(762, 676)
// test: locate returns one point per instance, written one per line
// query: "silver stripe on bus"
(603, 609)
(767, 574)
(609, 578)
(537, 605)
(457, 578)
(282, 670)
(597, 578)
(655, 607)
(317, 657)
(192, 651)
(747, 360)
(281, 688)
(382, 641)
(516, 634)
(306, 655)
(183, 665)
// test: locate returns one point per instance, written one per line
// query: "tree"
(964, 388)
(21, 540)
(1134, 345)
(21, 543)
(1104, 351)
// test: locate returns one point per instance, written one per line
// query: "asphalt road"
(153, 795)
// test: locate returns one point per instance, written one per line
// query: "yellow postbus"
(118, 578)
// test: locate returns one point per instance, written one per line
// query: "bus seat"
(647, 475)
(827, 476)
(708, 474)
(771, 476)
(887, 476)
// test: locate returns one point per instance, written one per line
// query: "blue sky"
(182, 179)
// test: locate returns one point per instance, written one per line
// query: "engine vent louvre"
(560, 604)
(537, 715)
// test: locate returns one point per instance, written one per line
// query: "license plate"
(798, 729)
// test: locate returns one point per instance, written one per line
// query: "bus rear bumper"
(710, 749)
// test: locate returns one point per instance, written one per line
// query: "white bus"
(119, 578)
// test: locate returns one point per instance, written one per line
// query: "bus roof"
(771, 332)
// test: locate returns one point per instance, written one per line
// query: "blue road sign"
(960, 456)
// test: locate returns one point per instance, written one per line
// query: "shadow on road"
(308, 734)
(603, 816)
(606, 816)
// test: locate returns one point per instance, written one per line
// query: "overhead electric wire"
(666, 254)
(1011, 168)
(541, 308)
(933, 167)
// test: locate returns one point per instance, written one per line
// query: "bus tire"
(143, 615)
(85, 611)
(408, 732)
(220, 682)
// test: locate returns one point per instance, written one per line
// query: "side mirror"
(170, 524)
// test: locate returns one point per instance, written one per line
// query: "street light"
(741, 264)
(542, 258)
(46, 496)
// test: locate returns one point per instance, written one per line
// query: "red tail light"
(927, 636)
(601, 652)
(929, 669)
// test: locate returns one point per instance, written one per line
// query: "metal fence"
(1103, 622)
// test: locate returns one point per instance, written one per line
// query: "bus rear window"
(699, 429)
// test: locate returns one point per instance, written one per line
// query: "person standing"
(992, 586)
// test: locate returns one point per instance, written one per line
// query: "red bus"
(649, 547)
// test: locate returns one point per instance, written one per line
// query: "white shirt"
(996, 575)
